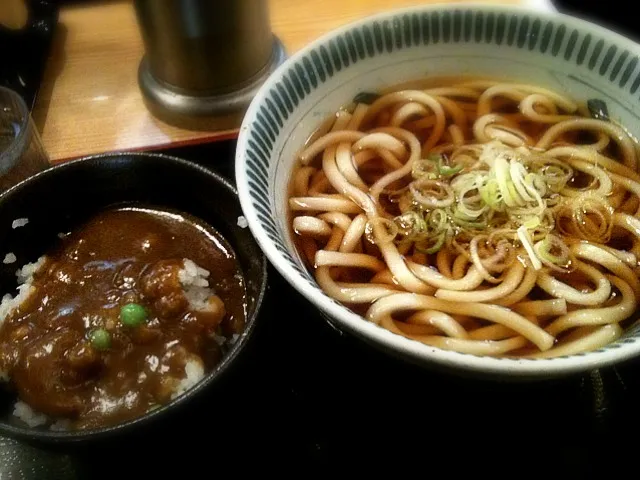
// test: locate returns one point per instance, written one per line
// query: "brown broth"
(370, 172)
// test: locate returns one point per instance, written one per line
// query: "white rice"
(196, 287)
(193, 275)
(9, 258)
(29, 416)
(22, 411)
(19, 222)
(25, 274)
(193, 279)
(194, 372)
(25, 278)
(242, 222)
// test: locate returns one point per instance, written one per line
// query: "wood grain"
(89, 100)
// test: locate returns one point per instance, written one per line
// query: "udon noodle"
(480, 216)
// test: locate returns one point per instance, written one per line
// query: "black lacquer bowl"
(62, 197)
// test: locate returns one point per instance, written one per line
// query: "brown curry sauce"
(125, 255)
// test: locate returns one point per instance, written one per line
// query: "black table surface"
(308, 400)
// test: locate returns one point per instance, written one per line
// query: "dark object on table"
(24, 52)
(617, 15)
(204, 59)
(90, 185)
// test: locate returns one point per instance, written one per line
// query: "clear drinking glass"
(21, 151)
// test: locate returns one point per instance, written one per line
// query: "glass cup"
(21, 151)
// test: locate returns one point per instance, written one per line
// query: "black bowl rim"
(74, 436)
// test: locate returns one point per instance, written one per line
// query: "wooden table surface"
(89, 100)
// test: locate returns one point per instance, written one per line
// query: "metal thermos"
(204, 57)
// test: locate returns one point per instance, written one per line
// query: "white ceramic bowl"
(560, 52)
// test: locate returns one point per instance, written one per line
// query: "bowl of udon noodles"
(458, 186)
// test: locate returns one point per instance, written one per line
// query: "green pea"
(133, 315)
(100, 339)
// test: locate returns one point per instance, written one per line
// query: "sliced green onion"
(544, 248)
(423, 169)
(501, 171)
(437, 220)
(518, 173)
(470, 213)
(513, 193)
(381, 230)
(431, 193)
(410, 223)
(536, 182)
(531, 223)
(468, 181)
(556, 177)
(439, 241)
(445, 170)
(471, 205)
(490, 193)
(525, 239)
(471, 225)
